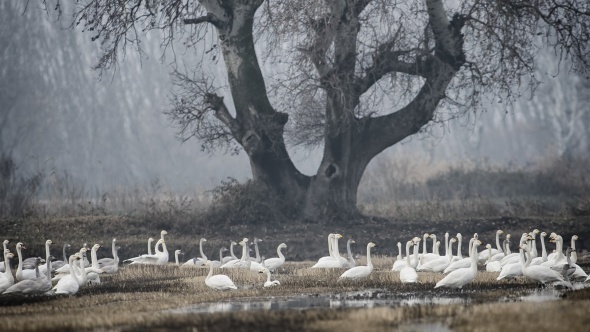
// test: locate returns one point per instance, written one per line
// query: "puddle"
(547, 294)
(419, 327)
(365, 299)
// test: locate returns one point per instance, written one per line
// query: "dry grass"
(138, 296)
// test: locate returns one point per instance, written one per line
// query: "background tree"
(342, 61)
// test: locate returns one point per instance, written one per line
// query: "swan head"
(151, 239)
(48, 242)
(477, 243)
(203, 239)
(543, 234)
(488, 246)
(499, 232)
(432, 236)
(371, 245)
(351, 241)
(20, 245)
(536, 231)
(508, 237)
(51, 258)
(67, 245)
(117, 248)
(114, 240)
(224, 249)
(416, 240)
(282, 245)
(453, 240)
(338, 236)
(256, 240)
(177, 252)
(574, 237)
(163, 232)
(233, 243)
(447, 235)
(8, 255)
(475, 236)
(96, 246)
(426, 235)
(459, 236)
(5, 242)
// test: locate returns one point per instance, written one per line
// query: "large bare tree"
(355, 76)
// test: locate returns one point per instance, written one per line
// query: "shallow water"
(364, 299)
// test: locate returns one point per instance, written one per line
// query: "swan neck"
(71, 267)
(210, 271)
(408, 244)
(335, 249)
(369, 263)
(94, 259)
(498, 246)
(220, 255)
(244, 251)
(231, 251)
(256, 251)
(331, 238)
(473, 254)
(450, 251)
(150, 247)
(280, 253)
(459, 254)
(47, 254)
(64, 253)
(201, 250)
(48, 271)
(543, 249)
(348, 250)
(434, 244)
(424, 251)
(267, 276)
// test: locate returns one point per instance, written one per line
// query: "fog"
(58, 115)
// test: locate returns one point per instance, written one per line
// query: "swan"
(34, 285)
(20, 273)
(459, 253)
(176, 253)
(426, 257)
(515, 257)
(43, 267)
(540, 273)
(465, 262)
(398, 265)
(198, 261)
(575, 272)
(512, 270)
(231, 252)
(255, 243)
(217, 264)
(94, 270)
(58, 264)
(159, 258)
(272, 264)
(268, 283)
(408, 274)
(434, 245)
(4, 246)
(492, 266)
(461, 277)
(65, 270)
(574, 257)
(558, 257)
(360, 272)
(69, 284)
(543, 258)
(439, 265)
(114, 267)
(400, 256)
(110, 261)
(351, 261)
(6, 279)
(484, 255)
(219, 281)
(330, 245)
(533, 234)
(245, 262)
(552, 255)
(336, 261)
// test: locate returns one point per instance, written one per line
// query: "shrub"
(17, 193)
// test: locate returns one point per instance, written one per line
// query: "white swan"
(69, 284)
(330, 248)
(20, 273)
(245, 262)
(6, 279)
(459, 255)
(512, 270)
(65, 270)
(461, 277)
(543, 258)
(400, 256)
(515, 257)
(198, 261)
(484, 255)
(398, 265)
(177, 252)
(58, 264)
(37, 285)
(219, 281)
(351, 261)
(558, 258)
(439, 265)
(4, 246)
(110, 261)
(408, 274)
(540, 273)
(255, 244)
(360, 272)
(268, 283)
(159, 258)
(336, 261)
(94, 270)
(463, 263)
(492, 266)
(272, 264)
(231, 252)
(114, 267)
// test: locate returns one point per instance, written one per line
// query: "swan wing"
(220, 281)
(67, 285)
(356, 273)
(408, 275)
(273, 263)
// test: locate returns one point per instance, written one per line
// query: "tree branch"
(209, 18)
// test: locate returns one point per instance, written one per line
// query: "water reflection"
(368, 299)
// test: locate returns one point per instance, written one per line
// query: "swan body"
(351, 261)
(540, 273)
(543, 258)
(20, 273)
(492, 266)
(268, 283)
(58, 264)
(360, 272)
(219, 281)
(335, 260)
(110, 261)
(511, 271)
(440, 264)
(408, 274)
(69, 284)
(272, 264)
(231, 251)
(399, 264)
(258, 259)
(114, 267)
(6, 279)
(461, 277)
(36, 285)
(198, 261)
(243, 263)
(486, 254)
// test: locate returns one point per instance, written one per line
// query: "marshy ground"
(169, 297)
